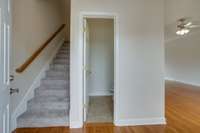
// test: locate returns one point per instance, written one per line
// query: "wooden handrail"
(30, 60)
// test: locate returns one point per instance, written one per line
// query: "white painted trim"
(168, 78)
(183, 82)
(22, 107)
(141, 122)
(102, 92)
(116, 62)
(76, 124)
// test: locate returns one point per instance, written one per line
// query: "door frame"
(5, 55)
(103, 15)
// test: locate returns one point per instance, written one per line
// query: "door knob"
(12, 91)
(11, 78)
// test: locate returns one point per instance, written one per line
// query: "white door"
(4, 66)
(86, 66)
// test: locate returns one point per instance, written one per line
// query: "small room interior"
(99, 61)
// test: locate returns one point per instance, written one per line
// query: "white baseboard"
(22, 107)
(140, 122)
(168, 78)
(183, 82)
(76, 125)
(103, 92)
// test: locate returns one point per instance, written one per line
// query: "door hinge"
(12, 91)
(11, 78)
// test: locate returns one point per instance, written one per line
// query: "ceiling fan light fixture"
(182, 32)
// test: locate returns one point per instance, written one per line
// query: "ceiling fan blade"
(188, 24)
(193, 26)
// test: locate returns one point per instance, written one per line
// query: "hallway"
(182, 104)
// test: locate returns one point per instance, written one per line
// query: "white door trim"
(104, 15)
(5, 42)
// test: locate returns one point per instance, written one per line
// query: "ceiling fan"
(184, 26)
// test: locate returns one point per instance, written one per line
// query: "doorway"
(99, 69)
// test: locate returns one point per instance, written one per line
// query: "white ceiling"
(175, 9)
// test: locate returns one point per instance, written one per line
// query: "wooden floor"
(182, 113)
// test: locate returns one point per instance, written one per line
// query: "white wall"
(182, 53)
(34, 21)
(140, 73)
(101, 56)
(182, 59)
(66, 6)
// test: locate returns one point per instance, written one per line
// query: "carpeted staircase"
(50, 105)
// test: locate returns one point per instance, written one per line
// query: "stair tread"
(49, 98)
(64, 101)
(52, 81)
(60, 65)
(29, 119)
(48, 88)
(60, 61)
(44, 114)
(57, 71)
(56, 80)
(35, 105)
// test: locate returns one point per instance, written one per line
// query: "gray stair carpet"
(50, 105)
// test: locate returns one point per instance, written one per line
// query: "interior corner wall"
(33, 22)
(140, 66)
(101, 38)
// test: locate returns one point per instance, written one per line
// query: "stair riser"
(39, 123)
(46, 113)
(54, 87)
(47, 106)
(61, 62)
(64, 53)
(62, 58)
(56, 74)
(59, 67)
(57, 93)
(49, 99)
(64, 50)
(55, 78)
(65, 47)
(54, 84)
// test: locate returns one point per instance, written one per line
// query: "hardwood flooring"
(182, 113)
